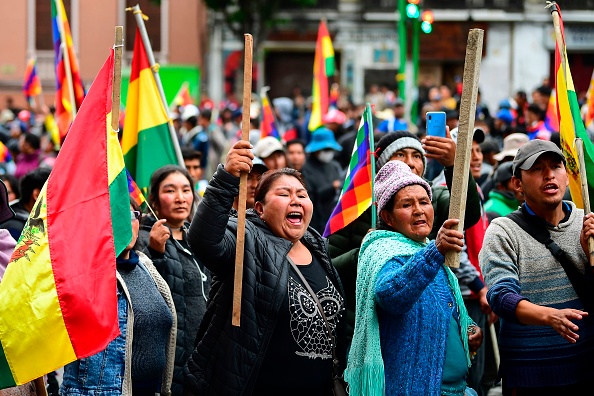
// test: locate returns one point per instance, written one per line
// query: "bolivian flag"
(571, 125)
(146, 141)
(58, 295)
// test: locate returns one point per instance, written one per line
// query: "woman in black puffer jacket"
(282, 346)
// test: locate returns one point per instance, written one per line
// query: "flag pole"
(372, 161)
(562, 51)
(155, 68)
(579, 145)
(66, 55)
(245, 133)
(117, 78)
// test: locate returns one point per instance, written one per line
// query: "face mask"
(326, 156)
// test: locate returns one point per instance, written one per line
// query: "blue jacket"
(109, 372)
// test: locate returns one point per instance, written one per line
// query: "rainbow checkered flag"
(357, 191)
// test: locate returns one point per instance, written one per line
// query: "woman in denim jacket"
(140, 359)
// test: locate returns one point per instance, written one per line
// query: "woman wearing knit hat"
(406, 147)
(410, 317)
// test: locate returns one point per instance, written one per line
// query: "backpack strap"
(583, 284)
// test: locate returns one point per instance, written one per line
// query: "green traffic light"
(412, 11)
(426, 27)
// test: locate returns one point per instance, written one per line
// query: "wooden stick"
(245, 133)
(472, 68)
(118, 49)
(495, 345)
(579, 145)
(40, 387)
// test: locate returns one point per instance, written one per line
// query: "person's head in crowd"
(511, 144)
(503, 118)
(171, 194)
(451, 119)
(541, 96)
(135, 214)
(29, 143)
(192, 160)
(540, 174)
(404, 201)
(521, 99)
(476, 158)
(401, 146)
(490, 148)
(399, 108)
(204, 118)
(534, 114)
(255, 133)
(258, 169)
(276, 195)
(11, 184)
(334, 120)
(226, 115)
(190, 123)
(503, 181)
(272, 152)
(31, 185)
(323, 145)
(296, 153)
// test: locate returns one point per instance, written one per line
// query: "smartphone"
(436, 123)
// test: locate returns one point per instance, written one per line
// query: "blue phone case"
(436, 123)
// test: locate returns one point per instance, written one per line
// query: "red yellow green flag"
(571, 125)
(323, 68)
(58, 294)
(146, 141)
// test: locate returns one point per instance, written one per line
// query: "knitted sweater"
(517, 267)
(406, 283)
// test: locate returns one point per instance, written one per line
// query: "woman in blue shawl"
(413, 335)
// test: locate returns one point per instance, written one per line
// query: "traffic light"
(427, 24)
(412, 9)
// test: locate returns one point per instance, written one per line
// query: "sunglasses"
(135, 215)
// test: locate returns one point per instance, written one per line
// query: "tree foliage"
(257, 17)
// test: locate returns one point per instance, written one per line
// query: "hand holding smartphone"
(436, 123)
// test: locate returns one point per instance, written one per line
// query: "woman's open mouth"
(295, 218)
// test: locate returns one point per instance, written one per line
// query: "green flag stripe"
(154, 150)
(6, 378)
(120, 212)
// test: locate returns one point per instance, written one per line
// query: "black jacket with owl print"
(227, 359)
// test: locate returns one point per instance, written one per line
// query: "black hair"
(269, 177)
(295, 141)
(161, 174)
(32, 181)
(193, 121)
(534, 108)
(206, 114)
(191, 154)
(14, 184)
(33, 140)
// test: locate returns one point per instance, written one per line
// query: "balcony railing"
(320, 5)
(507, 5)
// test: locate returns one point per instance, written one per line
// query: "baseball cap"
(531, 151)
(266, 146)
(504, 172)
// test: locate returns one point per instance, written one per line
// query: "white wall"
(495, 79)
(530, 57)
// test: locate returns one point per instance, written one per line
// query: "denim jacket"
(109, 372)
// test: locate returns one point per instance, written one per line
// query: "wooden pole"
(579, 145)
(472, 68)
(245, 133)
(118, 49)
(155, 69)
(40, 387)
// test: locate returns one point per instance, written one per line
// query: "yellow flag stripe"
(144, 109)
(26, 315)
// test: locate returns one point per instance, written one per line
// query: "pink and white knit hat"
(391, 178)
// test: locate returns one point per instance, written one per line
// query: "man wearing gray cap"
(547, 335)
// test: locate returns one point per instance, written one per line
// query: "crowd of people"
(374, 304)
